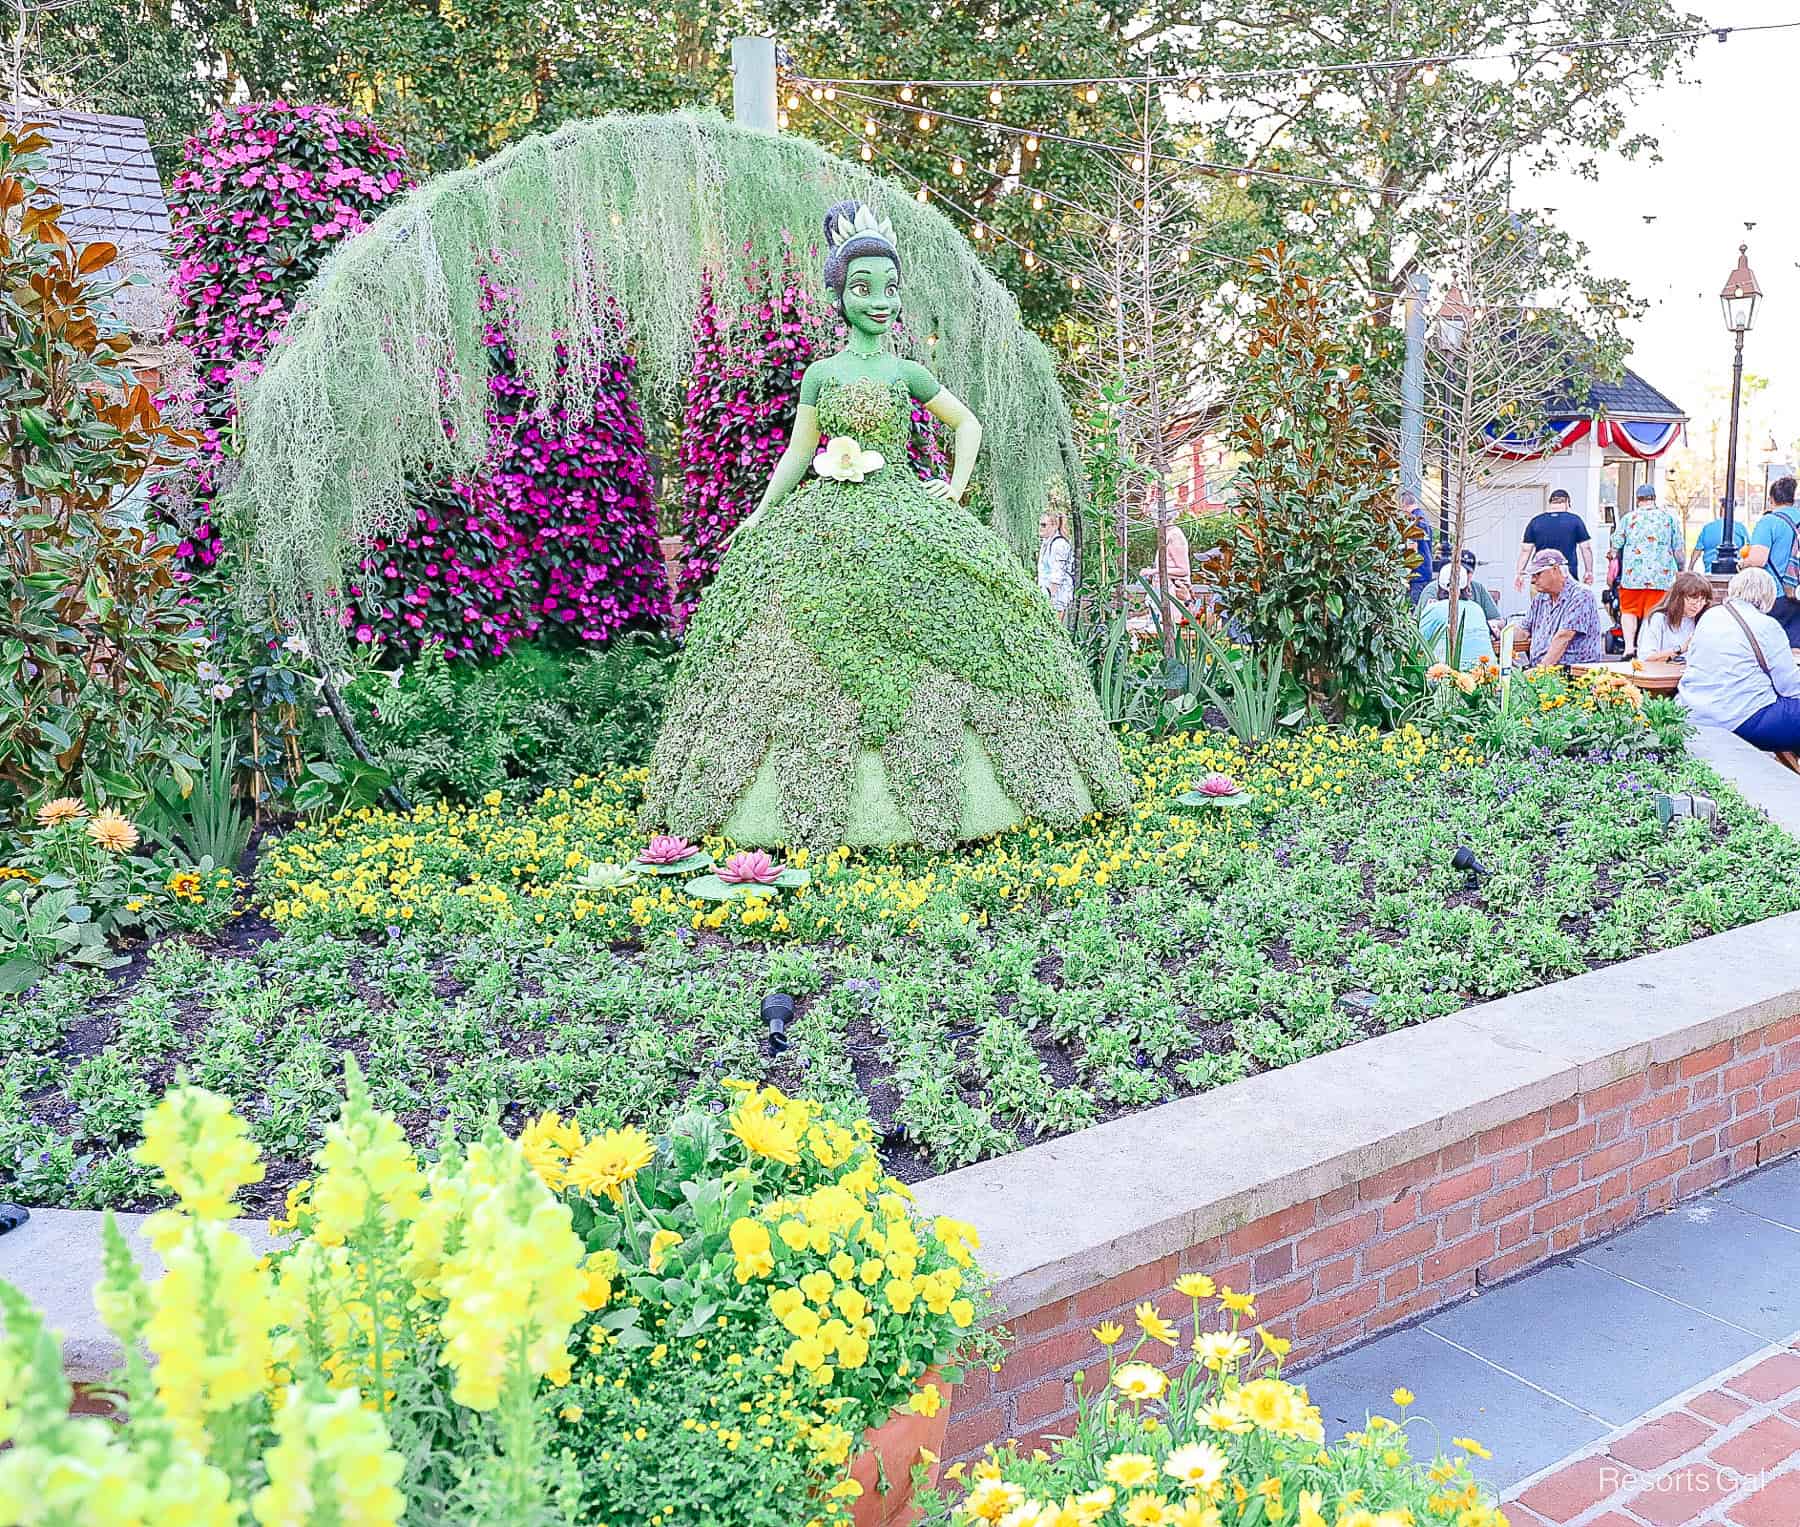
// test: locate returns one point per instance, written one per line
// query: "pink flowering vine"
(554, 540)
(261, 198)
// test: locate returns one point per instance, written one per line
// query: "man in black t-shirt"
(1558, 528)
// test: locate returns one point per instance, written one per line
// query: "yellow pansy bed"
(466, 867)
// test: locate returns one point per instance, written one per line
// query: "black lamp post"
(1738, 301)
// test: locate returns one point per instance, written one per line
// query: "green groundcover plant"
(491, 961)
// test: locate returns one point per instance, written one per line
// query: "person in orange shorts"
(1648, 544)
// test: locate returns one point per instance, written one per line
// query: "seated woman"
(1670, 626)
(1741, 673)
(1474, 638)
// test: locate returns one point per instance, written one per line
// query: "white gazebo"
(1598, 451)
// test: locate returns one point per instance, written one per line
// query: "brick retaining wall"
(1331, 1271)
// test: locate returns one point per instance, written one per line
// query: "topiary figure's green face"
(871, 294)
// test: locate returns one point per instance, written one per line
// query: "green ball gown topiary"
(871, 665)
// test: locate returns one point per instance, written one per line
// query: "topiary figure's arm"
(802, 446)
(948, 409)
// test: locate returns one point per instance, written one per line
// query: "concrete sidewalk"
(1583, 1354)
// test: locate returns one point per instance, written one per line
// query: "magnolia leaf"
(95, 257)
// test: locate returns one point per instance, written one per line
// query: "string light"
(781, 120)
(1195, 90)
(1428, 75)
(1243, 180)
(994, 96)
(1137, 162)
(793, 102)
(1090, 95)
(978, 232)
(869, 126)
(956, 166)
(906, 92)
(1185, 255)
(816, 93)
(1030, 260)
(831, 92)
(1031, 143)
(1037, 201)
(868, 154)
(924, 121)
(1074, 283)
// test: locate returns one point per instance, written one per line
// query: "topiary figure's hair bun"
(853, 232)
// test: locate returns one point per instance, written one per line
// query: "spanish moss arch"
(381, 375)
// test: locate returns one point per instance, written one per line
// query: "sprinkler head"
(778, 1013)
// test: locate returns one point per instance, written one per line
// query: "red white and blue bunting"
(1641, 439)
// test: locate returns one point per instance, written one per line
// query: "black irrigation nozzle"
(12, 1216)
(1464, 859)
(778, 1013)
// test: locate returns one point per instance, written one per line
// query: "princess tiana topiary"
(871, 665)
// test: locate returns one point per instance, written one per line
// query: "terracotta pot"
(896, 1445)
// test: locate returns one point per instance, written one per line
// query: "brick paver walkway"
(1726, 1452)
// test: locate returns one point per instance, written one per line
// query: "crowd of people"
(1737, 653)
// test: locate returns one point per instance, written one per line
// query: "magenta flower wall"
(260, 200)
(555, 540)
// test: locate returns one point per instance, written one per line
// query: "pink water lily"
(664, 849)
(753, 867)
(1219, 784)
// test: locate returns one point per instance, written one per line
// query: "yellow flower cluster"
(332, 1461)
(513, 1285)
(202, 1150)
(466, 866)
(1218, 1443)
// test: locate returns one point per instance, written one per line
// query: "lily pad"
(1198, 800)
(711, 888)
(699, 860)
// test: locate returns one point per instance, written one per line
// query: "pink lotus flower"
(1219, 784)
(664, 849)
(751, 868)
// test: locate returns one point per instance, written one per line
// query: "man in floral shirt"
(1565, 623)
(1648, 543)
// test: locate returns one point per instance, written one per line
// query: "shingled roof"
(102, 171)
(1631, 397)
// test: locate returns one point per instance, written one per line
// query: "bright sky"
(1727, 136)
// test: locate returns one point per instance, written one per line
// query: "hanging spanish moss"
(382, 375)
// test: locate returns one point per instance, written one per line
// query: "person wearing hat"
(1564, 623)
(1648, 544)
(1558, 528)
(1472, 588)
(1474, 636)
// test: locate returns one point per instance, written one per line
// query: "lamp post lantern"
(1737, 301)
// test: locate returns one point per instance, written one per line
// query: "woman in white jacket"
(1741, 673)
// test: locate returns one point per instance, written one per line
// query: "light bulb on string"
(1031, 143)
(1030, 260)
(1185, 255)
(1091, 94)
(831, 92)
(920, 194)
(1137, 163)
(1344, 197)
(781, 119)
(994, 96)
(1242, 181)
(1194, 90)
(1428, 75)
(869, 126)
(1037, 201)
(906, 93)
(924, 121)
(868, 154)
(1074, 283)
(816, 93)
(978, 232)
(956, 166)
(793, 102)
(1115, 233)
